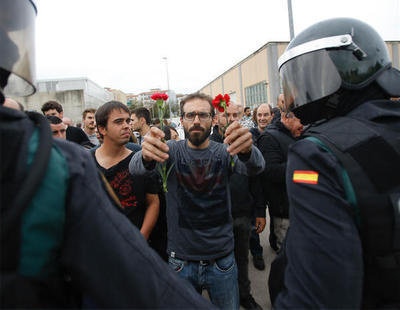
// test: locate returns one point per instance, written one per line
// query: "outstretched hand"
(153, 147)
(238, 138)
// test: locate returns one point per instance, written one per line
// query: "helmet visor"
(308, 77)
(17, 47)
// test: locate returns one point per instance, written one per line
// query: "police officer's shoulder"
(312, 149)
(75, 155)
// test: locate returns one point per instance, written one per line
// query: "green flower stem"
(162, 169)
(226, 126)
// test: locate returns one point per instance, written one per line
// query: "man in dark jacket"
(247, 200)
(262, 117)
(274, 144)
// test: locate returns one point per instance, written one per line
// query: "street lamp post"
(291, 28)
(166, 66)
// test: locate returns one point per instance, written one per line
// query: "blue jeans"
(218, 277)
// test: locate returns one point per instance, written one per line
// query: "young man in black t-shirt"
(138, 195)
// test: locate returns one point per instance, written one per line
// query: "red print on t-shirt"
(122, 185)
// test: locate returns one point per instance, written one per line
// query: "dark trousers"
(255, 247)
(241, 231)
(272, 235)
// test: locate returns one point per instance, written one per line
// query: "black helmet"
(330, 60)
(17, 47)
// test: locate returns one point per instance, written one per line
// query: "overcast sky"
(121, 43)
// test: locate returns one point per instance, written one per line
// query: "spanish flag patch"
(309, 177)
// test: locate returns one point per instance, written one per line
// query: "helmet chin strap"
(333, 101)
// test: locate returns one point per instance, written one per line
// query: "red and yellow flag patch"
(305, 176)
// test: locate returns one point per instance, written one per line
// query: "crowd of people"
(124, 213)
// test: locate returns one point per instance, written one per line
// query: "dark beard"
(197, 139)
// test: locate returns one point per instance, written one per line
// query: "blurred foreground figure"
(343, 245)
(61, 236)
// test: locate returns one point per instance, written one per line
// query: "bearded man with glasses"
(199, 220)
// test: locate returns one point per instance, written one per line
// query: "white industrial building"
(74, 94)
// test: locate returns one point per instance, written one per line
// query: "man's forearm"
(253, 165)
(138, 167)
(151, 216)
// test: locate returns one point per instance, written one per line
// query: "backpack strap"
(371, 161)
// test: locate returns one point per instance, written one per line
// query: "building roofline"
(247, 57)
(63, 79)
(260, 49)
(81, 78)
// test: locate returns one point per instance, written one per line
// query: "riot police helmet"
(17, 47)
(330, 60)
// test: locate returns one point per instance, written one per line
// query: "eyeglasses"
(190, 116)
(59, 132)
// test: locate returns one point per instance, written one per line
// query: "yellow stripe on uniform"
(305, 176)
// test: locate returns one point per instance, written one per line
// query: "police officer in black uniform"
(343, 179)
(61, 236)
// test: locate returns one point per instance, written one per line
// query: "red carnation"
(159, 96)
(221, 102)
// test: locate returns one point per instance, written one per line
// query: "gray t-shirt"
(93, 139)
(198, 200)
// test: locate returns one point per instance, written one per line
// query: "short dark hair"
(90, 110)
(54, 120)
(142, 112)
(104, 111)
(246, 108)
(197, 95)
(52, 104)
